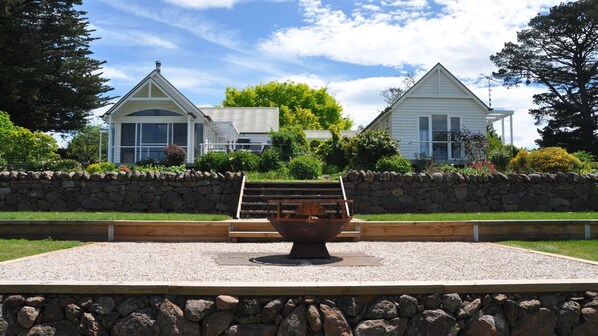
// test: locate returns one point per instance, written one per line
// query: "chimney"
(158, 65)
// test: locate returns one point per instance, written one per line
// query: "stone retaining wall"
(452, 192)
(450, 314)
(191, 192)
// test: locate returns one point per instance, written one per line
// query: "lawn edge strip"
(298, 288)
(43, 254)
(562, 256)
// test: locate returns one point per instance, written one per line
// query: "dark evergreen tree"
(559, 50)
(48, 82)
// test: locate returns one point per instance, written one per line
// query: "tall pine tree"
(48, 82)
(559, 50)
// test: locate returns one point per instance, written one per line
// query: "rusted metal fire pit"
(309, 225)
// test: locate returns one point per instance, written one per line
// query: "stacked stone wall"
(189, 192)
(375, 192)
(574, 314)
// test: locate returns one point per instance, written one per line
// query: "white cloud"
(112, 73)
(204, 4)
(462, 36)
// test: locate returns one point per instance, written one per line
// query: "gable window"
(434, 137)
(147, 140)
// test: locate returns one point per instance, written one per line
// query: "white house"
(423, 118)
(155, 114)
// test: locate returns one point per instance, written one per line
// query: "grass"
(78, 216)
(479, 216)
(584, 249)
(18, 248)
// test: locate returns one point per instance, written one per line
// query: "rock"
(407, 306)
(89, 326)
(35, 301)
(171, 322)
(451, 302)
(103, 305)
(469, 308)
(3, 326)
(62, 328)
(171, 200)
(590, 324)
(27, 316)
(510, 309)
(217, 323)
(538, 323)
(251, 330)
(72, 312)
(248, 307)
(271, 310)
(136, 324)
(289, 307)
(109, 320)
(381, 309)
(432, 302)
(394, 327)
(485, 324)
(500, 299)
(432, 323)
(295, 323)
(128, 306)
(14, 301)
(530, 306)
(196, 310)
(548, 301)
(568, 317)
(52, 311)
(225, 302)
(313, 318)
(334, 321)
(348, 305)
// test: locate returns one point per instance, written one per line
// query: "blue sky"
(354, 48)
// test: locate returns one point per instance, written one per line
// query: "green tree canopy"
(21, 145)
(49, 82)
(299, 104)
(559, 50)
(85, 145)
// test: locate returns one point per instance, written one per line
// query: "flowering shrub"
(545, 160)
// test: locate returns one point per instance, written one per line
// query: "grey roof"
(246, 119)
(325, 134)
(167, 87)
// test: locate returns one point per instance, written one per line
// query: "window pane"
(439, 128)
(152, 152)
(127, 155)
(424, 136)
(154, 134)
(179, 134)
(455, 123)
(127, 135)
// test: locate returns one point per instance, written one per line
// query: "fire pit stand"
(309, 224)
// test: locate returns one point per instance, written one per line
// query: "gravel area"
(402, 261)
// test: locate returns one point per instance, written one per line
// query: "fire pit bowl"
(309, 224)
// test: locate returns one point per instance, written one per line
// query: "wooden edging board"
(298, 288)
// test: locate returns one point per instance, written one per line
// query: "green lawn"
(584, 249)
(479, 216)
(26, 215)
(18, 248)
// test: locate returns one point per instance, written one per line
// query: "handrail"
(241, 196)
(344, 195)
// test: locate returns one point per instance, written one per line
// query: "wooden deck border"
(299, 288)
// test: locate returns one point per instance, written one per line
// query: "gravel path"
(402, 261)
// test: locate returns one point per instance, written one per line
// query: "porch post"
(511, 124)
(190, 143)
(502, 122)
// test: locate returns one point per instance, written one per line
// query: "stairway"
(256, 195)
(253, 208)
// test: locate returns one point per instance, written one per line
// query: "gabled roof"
(157, 79)
(246, 119)
(411, 90)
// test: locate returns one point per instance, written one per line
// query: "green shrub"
(545, 160)
(64, 165)
(160, 169)
(396, 163)
(305, 167)
(242, 161)
(333, 151)
(584, 156)
(175, 155)
(501, 156)
(102, 167)
(290, 142)
(269, 160)
(369, 147)
(212, 161)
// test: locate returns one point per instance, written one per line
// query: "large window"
(434, 137)
(147, 140)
